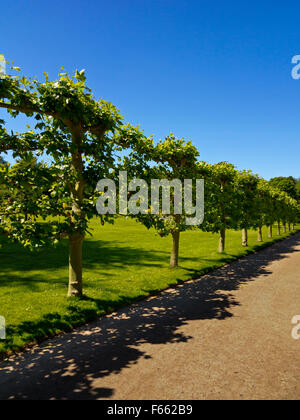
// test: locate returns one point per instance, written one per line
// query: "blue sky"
(217, 73)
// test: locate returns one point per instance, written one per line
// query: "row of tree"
(85, 140)
(234, 199)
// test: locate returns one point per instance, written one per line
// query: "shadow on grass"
(71, 366)
(96, 255)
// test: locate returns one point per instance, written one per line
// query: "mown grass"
(122, 263)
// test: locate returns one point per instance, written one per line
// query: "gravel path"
(224, 336)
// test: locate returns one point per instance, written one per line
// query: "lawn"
(122, 262)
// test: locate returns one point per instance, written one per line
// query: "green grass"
(122, 263)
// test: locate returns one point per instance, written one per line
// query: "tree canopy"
(286, 184)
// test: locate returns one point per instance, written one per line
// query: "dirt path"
(225, 336)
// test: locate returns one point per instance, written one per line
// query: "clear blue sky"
(218, 73)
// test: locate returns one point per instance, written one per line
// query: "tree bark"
(175, 250)
(293, 226)
(76, 238)
(222, 241)
(289, 227)
(245, 237)
(270, 232)
(284, 227)
(75, 265)
(278, 229)
(260, 235)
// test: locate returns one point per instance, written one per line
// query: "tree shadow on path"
(65, 367)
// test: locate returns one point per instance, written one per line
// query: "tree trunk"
(75, 265)
(222, 240)
(289, 227)
(284, 227)
(175, 250)
(245, 237)
(260, 235)
(293, 226)
(270, 232)
(223, 219)
(76, 238)
(278, 229)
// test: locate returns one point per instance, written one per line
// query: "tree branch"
(23, 109)
(29, 110)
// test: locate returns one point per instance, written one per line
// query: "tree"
(265, 208)
(245, 185)
(176, 162)
(292, 212)
(81, 135)
(220, 199)
(286, 184)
